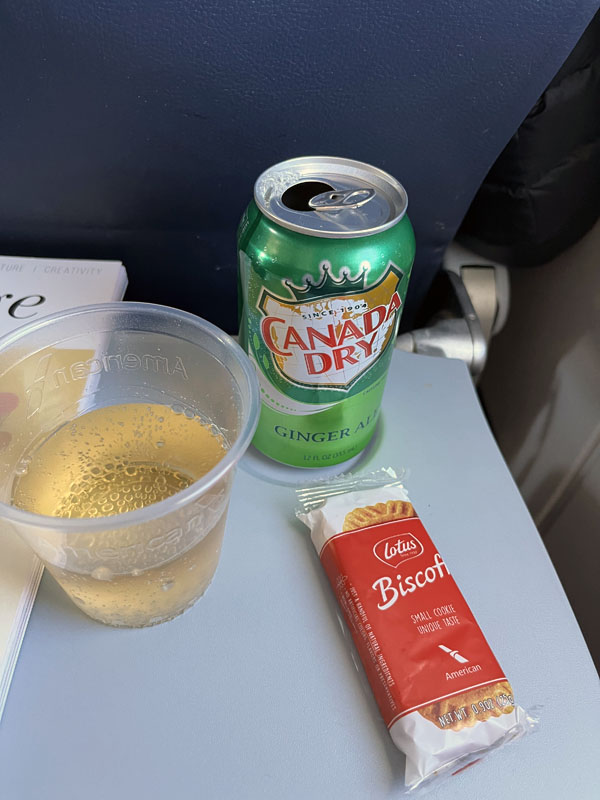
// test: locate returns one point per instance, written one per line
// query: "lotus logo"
(395, 550)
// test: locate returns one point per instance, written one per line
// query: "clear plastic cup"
(114, 406)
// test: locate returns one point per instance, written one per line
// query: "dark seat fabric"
(135, 130)
(543, 193)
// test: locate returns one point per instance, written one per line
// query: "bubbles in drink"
(102, 574)
(22, 467)
(106, 461)
(123, 458)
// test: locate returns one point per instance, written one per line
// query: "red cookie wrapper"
(442, 694)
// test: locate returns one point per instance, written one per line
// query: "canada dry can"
(325, 252)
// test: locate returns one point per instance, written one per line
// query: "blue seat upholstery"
(136, 129)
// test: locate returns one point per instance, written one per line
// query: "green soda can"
(325, 252)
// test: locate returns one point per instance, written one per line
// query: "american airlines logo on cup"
(395, 550)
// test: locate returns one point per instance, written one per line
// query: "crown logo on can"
(329, 286)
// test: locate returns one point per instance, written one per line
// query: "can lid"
(336, 198)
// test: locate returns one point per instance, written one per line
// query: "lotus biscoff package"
(442, 694)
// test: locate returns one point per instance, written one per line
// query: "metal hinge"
(468, 304)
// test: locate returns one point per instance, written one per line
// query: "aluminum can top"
(334, 198)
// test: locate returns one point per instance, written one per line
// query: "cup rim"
(68, 525)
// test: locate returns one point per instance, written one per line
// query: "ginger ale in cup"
(126, 422)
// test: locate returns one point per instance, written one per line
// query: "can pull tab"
(338, 201)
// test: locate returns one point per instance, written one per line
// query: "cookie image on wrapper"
(378, 513)
(471, 707)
